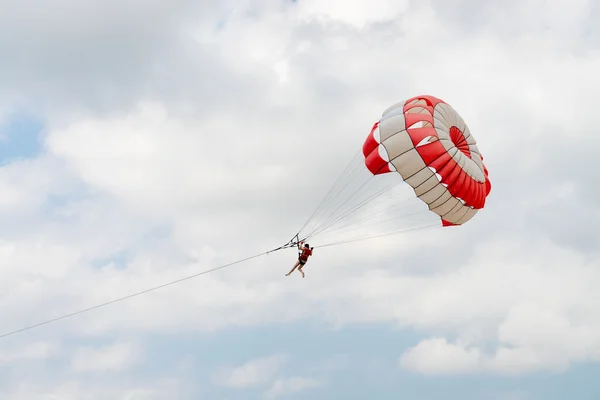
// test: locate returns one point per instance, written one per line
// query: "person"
(302, 258)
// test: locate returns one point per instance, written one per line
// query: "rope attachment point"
(293, 242)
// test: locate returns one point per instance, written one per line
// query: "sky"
(146, 141)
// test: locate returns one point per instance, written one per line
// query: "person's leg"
(300, 268)
(292, 270)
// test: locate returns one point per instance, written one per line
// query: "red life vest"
(306, 252)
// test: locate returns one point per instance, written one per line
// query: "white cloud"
(116, 357)
(79, 390)
(31, 352)
(535, 306)
(25, 184)
(357, 13)
(250, 374)
(267, 372)
(436, 356)
(287, 386)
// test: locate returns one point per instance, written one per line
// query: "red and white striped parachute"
(427, 142)
(422, 142)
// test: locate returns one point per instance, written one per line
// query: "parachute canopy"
(419, 167)
(427, 142)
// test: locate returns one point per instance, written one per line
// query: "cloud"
(116, 357)
(31, 352)
(266, 373)
(288, 386)
(356, 13)
(436, 356)
(94, 56)
(250, 374)
(74, 389)
(529, 303)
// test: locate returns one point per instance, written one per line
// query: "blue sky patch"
(20, 137)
